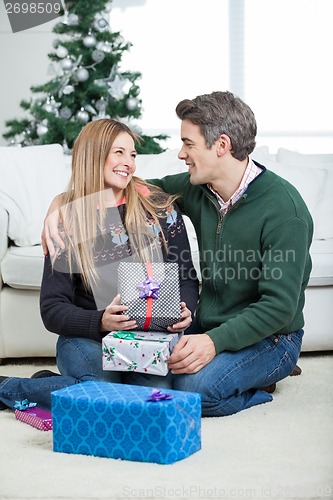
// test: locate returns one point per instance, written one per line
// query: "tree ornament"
(73, 19)
(65, 113)
(98, 56)
(67, 63)
(100, 23)
(107, 47)
(119, 40)
(89, 41)
(101, 104)
(89, 108)
(82, 74)
(83, 115)
(61, 52)
(134, 90)
(132, 103)
(48, 106)
(116, 87)
(65, 17)
(65, 148)
(108, 7)
(51, 70)
(42, 129)
(68, 89)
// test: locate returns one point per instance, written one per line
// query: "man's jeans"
(78, 360)
(230, 383)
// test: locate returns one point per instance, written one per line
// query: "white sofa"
(29, 179)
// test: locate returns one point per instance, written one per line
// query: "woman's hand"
(184, 322)
(51, 228)
(113, 320)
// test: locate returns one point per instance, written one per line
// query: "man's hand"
(113, 320)
(185, 321)
(191, 353)
(50, 230)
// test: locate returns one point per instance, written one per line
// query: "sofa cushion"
(22, 267)
(322, 263)
(310, 182)
(30, 178)
(324, 209)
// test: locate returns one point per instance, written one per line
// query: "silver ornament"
(102, 23)
(41, 130)
(83, 115)
(101, 104)
(67, 63)
(73, 19)
(61, 51)
(65, 113)
(68, 89)
(107, 47)
(108, 7)
(48, 107)
(89, 41)
(132, 103)
(98, 56)
(82, 74)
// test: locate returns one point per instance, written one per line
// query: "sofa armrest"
(3, 232)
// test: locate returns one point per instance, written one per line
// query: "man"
(254, 233)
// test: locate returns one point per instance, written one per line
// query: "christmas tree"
(87, 83)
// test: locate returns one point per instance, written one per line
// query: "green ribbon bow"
(122, 334)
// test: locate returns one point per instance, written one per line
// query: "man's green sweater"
(255, 262)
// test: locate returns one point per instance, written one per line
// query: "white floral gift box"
(145, 352)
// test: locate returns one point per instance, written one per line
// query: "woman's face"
(120, 164)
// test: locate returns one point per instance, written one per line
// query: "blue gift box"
(118, 421)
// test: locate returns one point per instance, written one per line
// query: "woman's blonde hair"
(81, 219)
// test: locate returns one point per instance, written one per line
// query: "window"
(275, 54)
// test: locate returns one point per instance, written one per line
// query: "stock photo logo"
(23, 15)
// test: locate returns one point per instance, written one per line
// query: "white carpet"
(282, 449)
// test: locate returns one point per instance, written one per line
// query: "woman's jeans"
(231, 382)
(78, 360)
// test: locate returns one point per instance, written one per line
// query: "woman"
(135, 221)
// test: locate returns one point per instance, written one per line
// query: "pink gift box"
(41, 419)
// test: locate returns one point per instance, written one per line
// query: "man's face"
(201, 161)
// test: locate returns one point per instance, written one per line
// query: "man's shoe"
(44, 374)
(296, 371)
(269, 388)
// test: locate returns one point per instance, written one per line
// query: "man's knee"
(191, 383)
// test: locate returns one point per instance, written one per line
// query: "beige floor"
(282, 449)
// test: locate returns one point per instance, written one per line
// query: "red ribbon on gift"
(149, 300)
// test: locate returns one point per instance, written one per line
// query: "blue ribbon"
(24, 405)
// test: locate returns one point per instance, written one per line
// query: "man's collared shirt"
(251, 172)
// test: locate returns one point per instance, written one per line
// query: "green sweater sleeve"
(173, 184)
